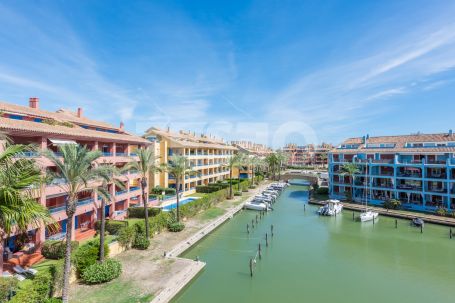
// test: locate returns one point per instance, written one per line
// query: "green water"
(323, 259)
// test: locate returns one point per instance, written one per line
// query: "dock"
(401, 214)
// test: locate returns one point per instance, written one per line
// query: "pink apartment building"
(48, 130)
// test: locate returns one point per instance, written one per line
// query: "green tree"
(350, 169)
(232, 162)
(179, 167)
(272, 164)
(76, 165)
(281, 160)
(146, 166)
(19, 179)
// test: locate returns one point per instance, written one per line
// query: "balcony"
(106, 154)
(121, 154)
(410, 175)
(57, 209)
(409, 187)
(437, 190)
(120, 192)
(436, 176)
(84, 201)
(385, 186)
(134, 188)
(28, 154)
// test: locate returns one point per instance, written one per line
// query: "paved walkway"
(402, 214)
(180, 280)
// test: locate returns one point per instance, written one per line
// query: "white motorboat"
(255, 205)
(331, 208)
(368, 215)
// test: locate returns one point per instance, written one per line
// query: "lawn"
(200, 195)
(211, 213)
(117, 291)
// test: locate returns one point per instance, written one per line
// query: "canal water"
(323, 259)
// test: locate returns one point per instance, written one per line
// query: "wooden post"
(450, 233)
(271, 230)
(266, 240)
(256, 218)
(247, 228)
(252, 223)
(353, 216)
(373, 220)
(259, 251)
(421, 229)
(396, 223)
(251, 267)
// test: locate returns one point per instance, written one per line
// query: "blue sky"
(268, 71)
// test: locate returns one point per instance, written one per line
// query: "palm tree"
(323, 157)
(146, 166)
(179, 167)
(110, 174)
(350, 169)
(281, 159)
(232, 162)
(253, 162)
(272, 162)
(77, 167)
(19, 178)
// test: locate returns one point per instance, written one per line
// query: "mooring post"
(421, 229)
(247, 228)
(251, 267)
(396, 223)
(450, 233)
(373, 220)
(252, 223)
(266, 240)
(271, 230)
(352, 216)
(304, 207)
(256, 219)
(259, 251)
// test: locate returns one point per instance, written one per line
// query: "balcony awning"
(62, 142)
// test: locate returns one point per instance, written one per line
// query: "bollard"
(259, 251)
(247, 228)
(396, 223)
(421, 229)
(251, 267)
(266, 240)
(271, 230)
(450, 233)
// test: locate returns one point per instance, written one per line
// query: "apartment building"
(307, 155)
(208, 157)
(48, 130)
(251, 149)
(418, 170)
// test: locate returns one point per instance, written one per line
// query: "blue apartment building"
(418, 170)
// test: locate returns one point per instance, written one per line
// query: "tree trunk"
(230, 184)
(67, 264)
(102, 227)
(1, 256)
(146, 211)
(252, 176)
(177, 184)
(352, 189)
(238, 184)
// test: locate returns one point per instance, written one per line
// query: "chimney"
(79, 112)
(33, 102)
(121, 125)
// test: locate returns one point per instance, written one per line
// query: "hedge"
(204, 189)
(102, 272)
(158, 190)
(111, 226)
(322, 191)
(54, 249)
(7, 285)
(138, 212)
(39, 291)
(88, 254)
(176, 227)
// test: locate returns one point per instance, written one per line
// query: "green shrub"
(441, 211)
(141, 242)
(126, 236)
(392, 204)
(56, 249)
(38, 291)
(53, 300)
(176, 226)
(206, 189)
(7, 286)
(88, 254)
(111, 226)
(56, 271)
(138, 212)
(158, 190)
(237, 193)
(322, 191)
(102, 272)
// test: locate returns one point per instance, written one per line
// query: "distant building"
(307, 155)
(208, 156)
(252, 149)
(418, 170)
